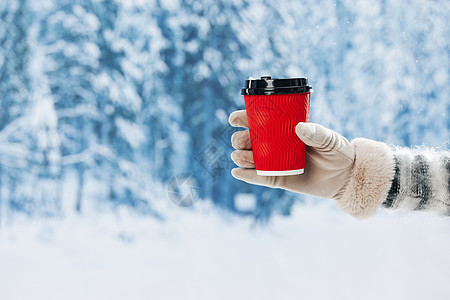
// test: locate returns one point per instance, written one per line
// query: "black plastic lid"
(268, 86)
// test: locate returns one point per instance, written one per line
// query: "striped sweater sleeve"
(421, 181)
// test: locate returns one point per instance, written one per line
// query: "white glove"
(357, 175)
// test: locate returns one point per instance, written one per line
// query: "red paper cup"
(274, 108)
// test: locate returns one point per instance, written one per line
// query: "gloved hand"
(357, 175)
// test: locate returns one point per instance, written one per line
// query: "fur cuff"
(370, 179)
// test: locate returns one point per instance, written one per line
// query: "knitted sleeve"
(421, 181)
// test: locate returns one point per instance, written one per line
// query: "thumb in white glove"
(358, 174)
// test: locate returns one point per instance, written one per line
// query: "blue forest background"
(113, 99)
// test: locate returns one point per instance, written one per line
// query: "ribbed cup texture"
(272, 120)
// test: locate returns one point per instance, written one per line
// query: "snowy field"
(318, 253)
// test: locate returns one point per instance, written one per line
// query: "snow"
(245, 202)
(318, 253)
(132, 133)
(221, 116)
(132, 69)
(92, 50)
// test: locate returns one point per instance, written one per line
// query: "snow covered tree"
(116, 98)
(15, 19)
(201, 77)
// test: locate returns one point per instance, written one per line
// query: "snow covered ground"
(318, 253)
